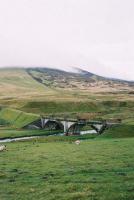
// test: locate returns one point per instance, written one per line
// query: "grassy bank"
(60, 107)
(120, 131)
(16, 118)
(10, 133)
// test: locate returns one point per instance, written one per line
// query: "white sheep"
(2, 147)
(77, 142)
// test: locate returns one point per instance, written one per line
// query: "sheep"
(2, 148)
(77, 142)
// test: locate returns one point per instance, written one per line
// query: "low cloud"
(94, 35)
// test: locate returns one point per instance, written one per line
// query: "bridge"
(69, 126)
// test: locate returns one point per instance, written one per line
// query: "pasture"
(97, 169)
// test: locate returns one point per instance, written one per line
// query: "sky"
(96, 35)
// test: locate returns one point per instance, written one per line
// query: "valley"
(52, 166)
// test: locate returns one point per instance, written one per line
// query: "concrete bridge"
(68, 126)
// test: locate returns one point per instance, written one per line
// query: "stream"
(32, 137)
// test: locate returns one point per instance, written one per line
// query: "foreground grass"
(94, 170)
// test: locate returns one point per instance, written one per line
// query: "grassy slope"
(17, 83)
(56, 107)
(120, 131)
(16, 118)
(95, 170)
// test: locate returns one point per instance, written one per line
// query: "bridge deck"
(90, 122)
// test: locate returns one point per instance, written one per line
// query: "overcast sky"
(97, 35)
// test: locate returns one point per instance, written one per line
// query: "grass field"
(100, 169)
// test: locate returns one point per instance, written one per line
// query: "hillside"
(17, 83)
(18, 86)
(80, 80)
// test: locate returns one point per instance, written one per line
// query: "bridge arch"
(77, 128)
(53, 125)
